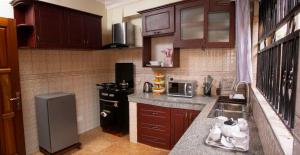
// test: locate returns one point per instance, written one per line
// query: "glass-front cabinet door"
(190, 25)
(221, 24)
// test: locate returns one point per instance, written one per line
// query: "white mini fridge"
(57, 123)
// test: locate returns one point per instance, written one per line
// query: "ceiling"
(112, 3)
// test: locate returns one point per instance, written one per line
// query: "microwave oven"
(181, 88)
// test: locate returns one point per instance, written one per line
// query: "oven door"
(177, 89)
(109, 110)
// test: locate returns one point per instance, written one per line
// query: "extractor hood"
(122, 36)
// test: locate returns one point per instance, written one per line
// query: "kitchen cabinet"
(154, 125)
(49, 26)
(162, 127)
(83, 30)
(74, 29)
(44, 25)
(190, 24)
(181, 119)
(198, 23)
(158, 22)
(92, 31)
(221, 24)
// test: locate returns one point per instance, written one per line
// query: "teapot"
(229, 128)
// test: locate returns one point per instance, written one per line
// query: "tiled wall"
(45, 71)
(194, 65)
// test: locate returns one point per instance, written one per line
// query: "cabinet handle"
(154, 113)
(154, 127)
(156, 32)
(186, 115)
(191, 118)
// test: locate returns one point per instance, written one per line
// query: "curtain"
(243, 42)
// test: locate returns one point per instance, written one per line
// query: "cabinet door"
(75, 29)
(190, 24)
(221, 24)
(49, 26)
(192, 114)
(93, 32)
(179, 124)
(158, 22)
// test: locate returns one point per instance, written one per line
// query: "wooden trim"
(5, 70)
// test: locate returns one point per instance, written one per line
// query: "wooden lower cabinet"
(181, 119)
(162, 127)
(154, 125)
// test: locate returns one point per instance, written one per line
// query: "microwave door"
(177, 89)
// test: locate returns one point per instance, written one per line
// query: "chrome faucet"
(247, 93)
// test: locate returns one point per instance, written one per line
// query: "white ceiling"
(114, 3)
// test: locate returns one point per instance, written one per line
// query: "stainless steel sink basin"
(229, 106)
(228, 110)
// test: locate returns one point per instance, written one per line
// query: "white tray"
(244, 142)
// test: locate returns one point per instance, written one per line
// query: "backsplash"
(45, 71)
(195, 64)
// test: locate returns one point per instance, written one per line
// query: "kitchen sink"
(229, 106)
(228, 109)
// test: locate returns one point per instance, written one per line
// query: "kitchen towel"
(243, 42)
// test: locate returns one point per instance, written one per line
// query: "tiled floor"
(96, 142)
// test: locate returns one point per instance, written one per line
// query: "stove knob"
(103, 114)
(116, 105)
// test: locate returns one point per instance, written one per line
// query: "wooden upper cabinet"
(221, 24)
(44, 25)
(75, 29)
(158, 22)
(190, 24)
(93, 32)
(49, 24)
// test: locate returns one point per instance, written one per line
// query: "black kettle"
(147, 87)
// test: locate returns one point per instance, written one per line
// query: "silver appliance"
(56, 120)
(181, 88)
(147, 87)
(123, 35)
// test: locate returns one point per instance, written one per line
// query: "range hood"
(122, 36)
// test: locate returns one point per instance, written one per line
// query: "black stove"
(114, 105)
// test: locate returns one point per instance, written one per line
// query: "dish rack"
(241, 145)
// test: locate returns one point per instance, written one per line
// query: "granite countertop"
(192, 141)
(195, 103)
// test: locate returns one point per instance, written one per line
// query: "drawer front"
(154, 126)
(155, 140)
(161, 128)
(152, 114)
